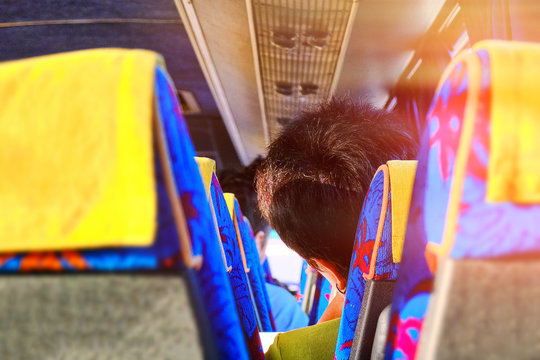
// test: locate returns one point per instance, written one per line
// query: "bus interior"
(117, 240)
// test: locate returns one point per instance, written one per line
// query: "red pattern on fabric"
(75, 260)
(41, 261)
(4, 258)
(365, 250)
(346, 345)
(404, 340)
(447, 134)
(190, 210)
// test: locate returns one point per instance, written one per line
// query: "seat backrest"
(267, 272)
(468, 209)
(253, 253)
(321, 293)
(314, 293)
(303, 280)
(254, 268)
(376, 252)
(232, 257)
(133, 290)
(193, 192)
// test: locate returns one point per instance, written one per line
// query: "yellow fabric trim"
(229, 199)
(402, 173)
(514, 166)
(71, 126)
(207, 167)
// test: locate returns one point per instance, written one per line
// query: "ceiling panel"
(25, 10)
(382, 41)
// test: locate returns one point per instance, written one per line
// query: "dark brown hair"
(312, 184)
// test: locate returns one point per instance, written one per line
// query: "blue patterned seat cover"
(483, 230)
(385, 269)
(321, 299)
(256, 272)
(213, 280)
(237, 274)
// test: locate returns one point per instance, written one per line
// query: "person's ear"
(330, 271)
(261, 240)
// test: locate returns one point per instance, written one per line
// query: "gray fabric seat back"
(97, 316)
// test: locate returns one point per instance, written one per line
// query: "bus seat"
(491, 229)
(254, 268)
(302, 282)
(314, 293)
(484, 114)
(322, 293)
(257, 298)
(267, 272)
(232, 261)
(253, 255)
(376, 257)
(81, 277)
(194, 193)
(381, 332)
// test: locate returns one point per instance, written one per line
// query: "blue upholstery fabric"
(237, 275)
(303, 280)
(255, 276)
(320, 300)
(385, 268)
(215, 286)
(267, 272)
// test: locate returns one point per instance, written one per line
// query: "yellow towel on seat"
(514, 164)
(207, 167)
(76, 150)
(229, 199)
(402, 174)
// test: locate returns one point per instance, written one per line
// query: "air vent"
(300, 46)
(317, 38)
(285, 39)
(188, 103)
(284, 88)
(309, 89)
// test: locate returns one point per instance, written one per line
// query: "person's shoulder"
(315, 342)
(279, 294)
(287, 312)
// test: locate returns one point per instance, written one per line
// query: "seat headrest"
(70, 126)
(401, 174)
(207, 167)
(376, 251)
(384, 214)
(497, 166)
(514, 166)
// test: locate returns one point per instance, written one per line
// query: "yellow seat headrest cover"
(207, 167)
(76, 151)
(514, 164)
(402, 173)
